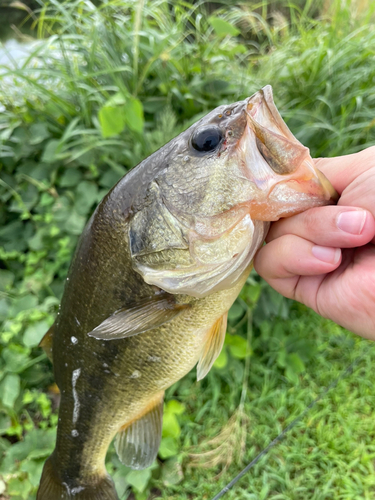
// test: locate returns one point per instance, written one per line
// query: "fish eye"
(206, 139)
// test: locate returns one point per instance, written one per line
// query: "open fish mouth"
(278, 164)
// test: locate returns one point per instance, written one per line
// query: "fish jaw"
(286, 179)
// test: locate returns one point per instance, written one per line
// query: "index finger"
(343, 170)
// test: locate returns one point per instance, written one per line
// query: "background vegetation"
(103, 88)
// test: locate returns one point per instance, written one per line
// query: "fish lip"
(264, 123)
(261, 108)
(313, 183)
(264, 97)
(329, 189)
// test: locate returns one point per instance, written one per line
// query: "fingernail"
(326, 254)
(351, 222)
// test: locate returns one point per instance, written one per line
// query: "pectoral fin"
(46, 342)
(137, 443)
(145, 315)
(212, 347)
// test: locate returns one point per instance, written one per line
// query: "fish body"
(155, 272)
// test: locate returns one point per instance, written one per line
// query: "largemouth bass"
(155, 272)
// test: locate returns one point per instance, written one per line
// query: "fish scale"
(155, 272)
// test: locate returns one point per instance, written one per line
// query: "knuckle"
(286, 251)
(366, 159)
(318, 222)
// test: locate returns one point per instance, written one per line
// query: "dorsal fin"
(46, 342)
(212, 347)
(146, 314)
(137, 442)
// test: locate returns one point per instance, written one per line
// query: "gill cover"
(180, 260)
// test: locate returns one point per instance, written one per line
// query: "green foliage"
(119, 112)
(107, 87)
(223, 28)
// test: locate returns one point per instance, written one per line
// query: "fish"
(155, 271)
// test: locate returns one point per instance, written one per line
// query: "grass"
(103, 88)
(328, 454)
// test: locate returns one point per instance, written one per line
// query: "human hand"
(325, 257)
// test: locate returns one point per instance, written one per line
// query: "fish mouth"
(280, 167)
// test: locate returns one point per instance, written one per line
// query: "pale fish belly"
(183, 339)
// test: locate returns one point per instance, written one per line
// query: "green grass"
(104, 88)
(328, 454)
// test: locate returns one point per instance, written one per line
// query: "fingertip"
(327, 255)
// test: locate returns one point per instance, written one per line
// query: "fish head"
(222, 181)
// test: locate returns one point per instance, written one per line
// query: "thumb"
(343, 170)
